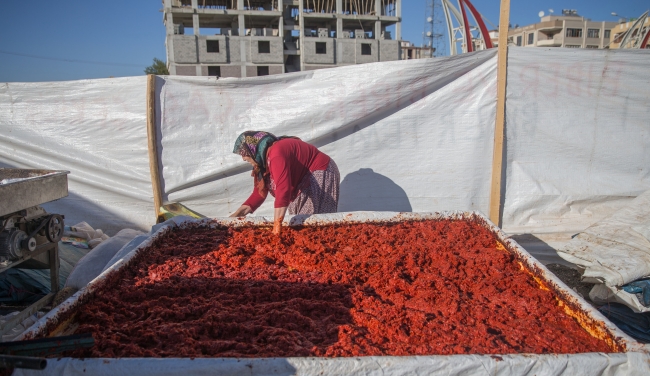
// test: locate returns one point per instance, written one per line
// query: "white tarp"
(412, 135)
(96, 129)
(406, 135)
(578, 136)
(614, 252)
(629, 364)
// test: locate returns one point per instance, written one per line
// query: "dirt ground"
(571, 277)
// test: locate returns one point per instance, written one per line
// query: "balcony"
(555, 41)
(549, 43)
(550, 26)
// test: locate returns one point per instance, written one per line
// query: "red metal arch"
(645, 39)
(480, 23)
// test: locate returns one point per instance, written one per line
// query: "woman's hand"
(278, 218)
(277, 227)
(242, 211)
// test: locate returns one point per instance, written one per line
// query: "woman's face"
(249, 160)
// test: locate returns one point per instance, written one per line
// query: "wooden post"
(496, 206)
(153, 144)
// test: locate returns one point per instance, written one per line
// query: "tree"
(158, 67)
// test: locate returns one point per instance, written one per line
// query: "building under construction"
(242, 38)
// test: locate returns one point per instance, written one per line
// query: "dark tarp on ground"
(29, 285)
(636, 325)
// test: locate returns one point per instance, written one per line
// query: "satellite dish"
(429, 19)
(550, 10)
(541, 13)
(428, 33)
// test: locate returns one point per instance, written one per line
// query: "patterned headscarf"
(254, 144)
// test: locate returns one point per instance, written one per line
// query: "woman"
(302, 179)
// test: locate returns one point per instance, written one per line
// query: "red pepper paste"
(408, 288)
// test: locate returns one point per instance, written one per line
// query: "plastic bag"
(76, 241)
(83, 230)
(92, 264)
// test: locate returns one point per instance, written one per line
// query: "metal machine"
(29, 235)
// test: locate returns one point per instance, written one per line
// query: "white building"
(568, 30)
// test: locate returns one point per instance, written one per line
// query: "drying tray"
(633, 360)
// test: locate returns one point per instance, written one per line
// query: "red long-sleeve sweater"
(289, 160)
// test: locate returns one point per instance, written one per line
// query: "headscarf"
(254, 144)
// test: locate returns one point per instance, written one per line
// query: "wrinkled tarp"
(629, 364)
(614, 251)
(29, 285)
(413, 135)
(636, 325)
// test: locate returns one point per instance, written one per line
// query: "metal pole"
(301, 23)
(398, 25)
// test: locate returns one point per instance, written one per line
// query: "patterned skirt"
(318, 192)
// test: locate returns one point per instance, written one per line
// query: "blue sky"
(125, 36)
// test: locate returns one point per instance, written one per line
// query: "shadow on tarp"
(77, 209)
(366, 190)
(540, 250)
(233, 317)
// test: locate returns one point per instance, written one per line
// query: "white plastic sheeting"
(412, 135)
(577, 136)
(602, 294)
(96, 129)
(629, 364)
(95, 262)
(614, 252)
(406, 135)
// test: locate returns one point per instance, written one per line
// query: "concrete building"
(247, 38)
(410, 51)
(568, 30)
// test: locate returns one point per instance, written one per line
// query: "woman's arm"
(242, 211)
(278, 217)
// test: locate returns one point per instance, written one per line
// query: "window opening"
(574, 33)
(593, 33)
(366, 49)
(212, 45)
(321, 48)
(214, 71)
(264, 47)
(262, 70)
